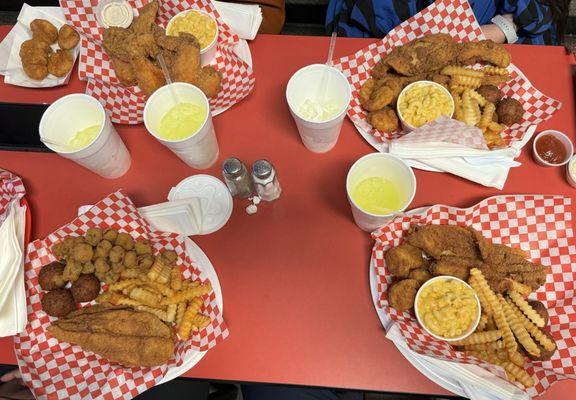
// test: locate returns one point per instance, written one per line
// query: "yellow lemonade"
(84, 137)
(377, 195)
(182, 121)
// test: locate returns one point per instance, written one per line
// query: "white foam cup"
(106, 155)
(380, 165)
(317, 82)
(200, 149)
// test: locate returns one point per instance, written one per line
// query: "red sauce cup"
(562, 138)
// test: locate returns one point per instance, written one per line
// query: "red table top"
(295, 275)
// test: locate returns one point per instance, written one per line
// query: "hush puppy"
(401, 295)
(51, 276)
(58, 303)
(509, 111)
(85, 288)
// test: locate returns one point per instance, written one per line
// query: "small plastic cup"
(200, 149)
(308, 83)
(208, 53)
(106, 155)
(380, 165)
(117, 13)
(571, 171)
(406, 127)
(569, 147)
(447, 278)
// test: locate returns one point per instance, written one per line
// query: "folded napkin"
(244, 19)
(449, 145)
(10, 63)
(13, 315)
(183, 217)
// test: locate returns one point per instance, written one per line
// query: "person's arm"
(532, 17)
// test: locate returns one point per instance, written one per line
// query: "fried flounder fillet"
(127, 337)
(444, 240)
(484, 51)
(423, 55)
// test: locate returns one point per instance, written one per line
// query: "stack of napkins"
(244, 19)
(449, 145)
(13, 314)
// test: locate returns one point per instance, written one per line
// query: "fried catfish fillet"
(127, 337)
(423, 55)
(148, 75)
(454, 266)
(444, 240)
(484, 51)
(143, 23)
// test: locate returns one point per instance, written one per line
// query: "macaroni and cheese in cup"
(202, 26)
(447, 308)
(422, 102)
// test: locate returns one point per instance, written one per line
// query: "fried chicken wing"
(145, 20)
(423, 55)
(484, 51)
(148, 75)
(401, 259)
(444, 240)
(130, 338)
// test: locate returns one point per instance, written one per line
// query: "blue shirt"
(375, 18)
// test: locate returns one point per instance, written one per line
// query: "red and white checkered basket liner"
(54, 369)
(126, 105)
(456, 18)
(11, 189)
(447, 130)
(539, 225)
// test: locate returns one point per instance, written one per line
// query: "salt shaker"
(237, 178)
(266, 180)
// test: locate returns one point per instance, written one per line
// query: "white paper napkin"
(13, 315)
(244, 19)
(10, 63)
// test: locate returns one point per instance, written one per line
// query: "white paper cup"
(447, 278)
(571, 177)
(380, 165)
(308, 83)
(200, 149)
(406, 127)
(208, 53)
(106, 155)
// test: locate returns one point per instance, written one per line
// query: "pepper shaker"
(237, 178)
(266, 180)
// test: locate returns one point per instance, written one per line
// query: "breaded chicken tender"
(401, 259)
(401, 295)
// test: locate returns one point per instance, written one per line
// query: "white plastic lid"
(114, 13)
(215, 199)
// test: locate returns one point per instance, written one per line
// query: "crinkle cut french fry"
(160, 288)
(470, 110)
(483, 300)
(527, 309)
(156, 269)
(496, 309)
(492, 70)
(487, 114)
(520, 374)
(458, 113)
(515, 286)
(457, 70)
(165, 274)
(120, 285)
(479, 337)
(188, 294)
(496, 127)
(517, 358)
(518, 328)
(180, 313)
(145, 296)
(533, 330)
(188, 320)
(482, 323)
(470, 82)
(200, 321)
(163, 315)
(171, 312)
(457, 90)
(478, 97)
(176, 278)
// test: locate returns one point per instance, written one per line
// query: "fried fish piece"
(33, 46)
(420, 274)
(209, 80)
(124, 72)
(401, 259)
(115, 41)
(380, 69)
(401, 295)
(130, 338)
(423, 55)
(454, 266)
(36, 71)
(68, 38)
(384, 120)
(44, 30)
(444, 240)
(148, 75)
(484, 51)
(143, 45)
(146, 17)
